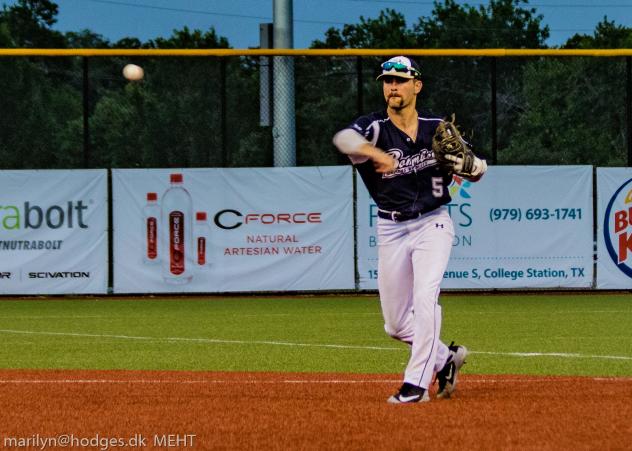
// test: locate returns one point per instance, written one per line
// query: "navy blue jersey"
(419, 184)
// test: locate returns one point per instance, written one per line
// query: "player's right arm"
(359, 149)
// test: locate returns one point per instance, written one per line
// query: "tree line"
(204, 112)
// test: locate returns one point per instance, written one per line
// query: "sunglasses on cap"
(399, 67)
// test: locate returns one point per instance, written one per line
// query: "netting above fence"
(201, 108)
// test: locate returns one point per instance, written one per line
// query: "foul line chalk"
(555, 354)
(201, 340)
(467, 380)
(305, 345)
(175, 381)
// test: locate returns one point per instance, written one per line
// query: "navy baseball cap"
(400, 66)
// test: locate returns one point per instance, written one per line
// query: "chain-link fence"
(205, 111)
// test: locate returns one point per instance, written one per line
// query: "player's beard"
(396, 102)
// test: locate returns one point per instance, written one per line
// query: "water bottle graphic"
(151, 218)
(202, 239)
(176, 225)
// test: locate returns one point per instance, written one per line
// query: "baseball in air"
(133, 72)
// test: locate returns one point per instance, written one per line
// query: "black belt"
(398, 216)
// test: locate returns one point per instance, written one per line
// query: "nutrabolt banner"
(54, 232)
(614, 228)
(229, 230)
(518, 227)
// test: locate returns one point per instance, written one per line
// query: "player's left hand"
(479, 166)
(453, 153)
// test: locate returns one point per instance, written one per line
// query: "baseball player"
(392, 151)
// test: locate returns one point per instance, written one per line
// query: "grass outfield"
(544, 334)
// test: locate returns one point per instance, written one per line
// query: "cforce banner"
(519, 227)
(53, 232)
(231, 230)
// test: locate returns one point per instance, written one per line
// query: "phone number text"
(535, 214)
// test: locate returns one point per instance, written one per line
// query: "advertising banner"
(614, 227)
(54, 232)
(233, 230)
(519, 227)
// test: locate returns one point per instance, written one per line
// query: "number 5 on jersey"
(437, 186)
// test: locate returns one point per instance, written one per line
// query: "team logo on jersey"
(459, 186)
(617, 228)
(407, 164)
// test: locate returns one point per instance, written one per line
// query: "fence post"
(360, 84)
(342, 158)
(223, 115)
(628, 106)
(86, 113)
(494, 112)
(110, 287)
(284, 114)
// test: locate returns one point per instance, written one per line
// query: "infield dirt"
(231, 410)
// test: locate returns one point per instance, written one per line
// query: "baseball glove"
(451, 151)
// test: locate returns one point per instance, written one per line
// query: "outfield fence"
(202, 230)
(204, 111)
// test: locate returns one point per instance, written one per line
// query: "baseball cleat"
(408, 394)
(447, 377)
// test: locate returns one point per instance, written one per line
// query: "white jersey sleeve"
(364, 130)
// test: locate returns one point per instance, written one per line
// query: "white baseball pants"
(413, 256)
